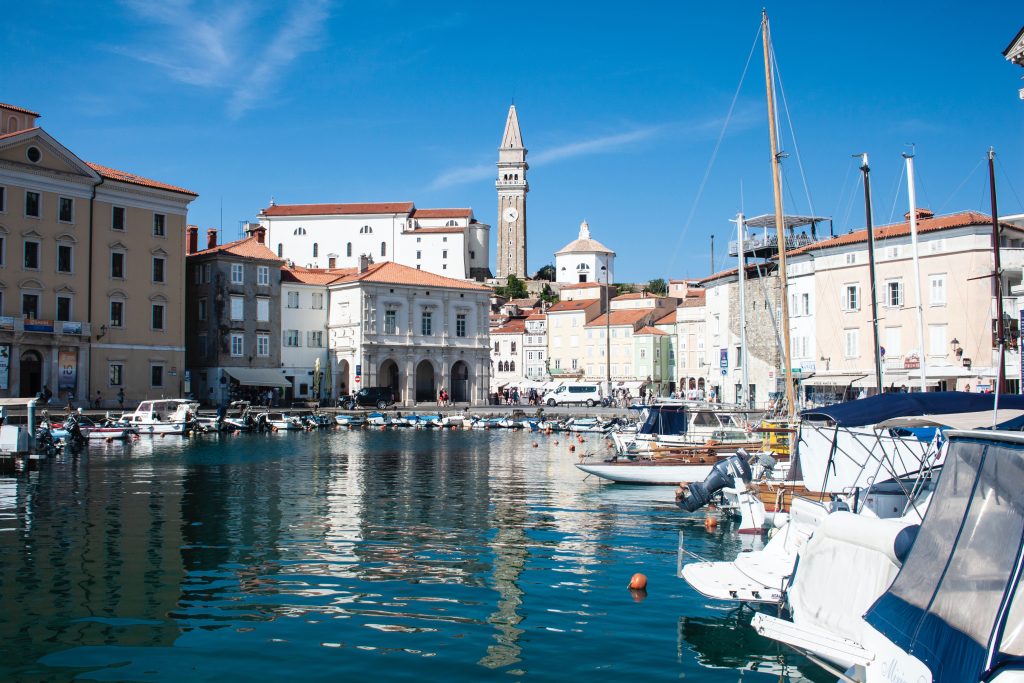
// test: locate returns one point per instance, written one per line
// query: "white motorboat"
(378, 419)
(163, 416)
(944, 606)
(344, 420)
(276, 421)
(677, 425)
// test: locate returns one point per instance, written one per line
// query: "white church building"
(448, 242)
(584, 260)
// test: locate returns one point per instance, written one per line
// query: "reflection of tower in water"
(508, 495)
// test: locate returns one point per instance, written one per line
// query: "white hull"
(647, 473)
(158, 428)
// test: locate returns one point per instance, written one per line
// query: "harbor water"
(341, 555)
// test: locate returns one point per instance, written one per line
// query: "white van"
(575, 393)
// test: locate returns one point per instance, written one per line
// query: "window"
(643, 353)
(3, 199)
(316, 249)
(391, 322)
(202, 308)
(419, 254)
(444, 253)
(315, 339)
(262, 275)
(293, 299)
(574, 364)
(237, 344)
(893, 341)
(365, 230)
(299, 231)
(206, 273)
(63, 258)
(159, 229)
(158, 268)
(115, 375)
(237, 273)
(280, 250)
(512, 366)
(3, 250)
(263, 345)
(805, 300)
(237, 308)
(383, 248)
(851, 259)
(318, 300)
(894, 293)
(427, 324)
(30, 305)
(892, 252)
(513, 350)
(348, 249)
(65, 209)
(32, 255)
(156, 375)
(852, 343)
(117, 264)
(460, 324)
(32, 204)
(291, 338)
(851, 298)
(263, 309)
(117, 218)
(472, 254)
(332, 262)
(157, 316)
(203, 347)
(937, 289)
(497, 347)
(937, 340)
(63, 307)
(116, 313)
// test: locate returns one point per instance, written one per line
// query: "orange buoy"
(556, 442)
(535, 444)
(638, 582)
(710, 523)
(572, 447)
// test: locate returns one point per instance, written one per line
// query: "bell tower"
(512, 188)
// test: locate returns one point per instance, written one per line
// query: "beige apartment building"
(91, 273)
(567, 322)
(958, 351)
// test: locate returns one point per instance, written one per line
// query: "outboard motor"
(723, 474)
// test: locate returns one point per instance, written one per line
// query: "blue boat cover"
(875, 409)
(665, 419)
(952, 599)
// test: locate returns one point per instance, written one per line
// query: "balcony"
(20, 324)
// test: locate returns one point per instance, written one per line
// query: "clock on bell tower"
(512, 188)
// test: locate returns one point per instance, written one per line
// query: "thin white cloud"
(221, 46)
(605, 143)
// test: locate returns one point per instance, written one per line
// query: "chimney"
(261, 233)
(211, 238)
(364, 262)
(191, 239)
(922, 214)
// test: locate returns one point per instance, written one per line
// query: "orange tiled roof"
(125, 177)
(536, 316)
(954, 220)
(314, 276)
(576, 305)
(249, 247)
(442, 213)
(668, 319)
(583, 285)
(437, 230)
(514, 326)
(651, 330)
(768, 267)
(15, 107)
(637, 295)
(628, 316)
(393, 273)
(19, 132)
(337, 209)
(694, 299)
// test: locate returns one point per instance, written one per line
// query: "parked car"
(370, 397)
(589, 394)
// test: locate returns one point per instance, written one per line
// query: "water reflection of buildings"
(89, 553)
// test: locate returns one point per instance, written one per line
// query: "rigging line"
(959, 187)
(896, 194)
(714, 153)
(850, 169)
(1006, 180)
(792, 133)
(858, 181)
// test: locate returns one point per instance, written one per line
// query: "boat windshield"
(665, 420)
(727, 420)
(962, 557)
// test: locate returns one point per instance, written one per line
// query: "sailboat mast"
(876, 348)
(780, 227)
(912, 196)
(741, 228)
(1000, 331)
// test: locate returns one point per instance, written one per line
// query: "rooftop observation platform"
(764, 243)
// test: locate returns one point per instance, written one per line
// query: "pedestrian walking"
(98, 401)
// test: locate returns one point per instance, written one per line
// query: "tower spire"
(513, 138)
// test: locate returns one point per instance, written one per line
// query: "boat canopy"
(665, 419)
(875, 409)
(1011, 419)
(955, 604)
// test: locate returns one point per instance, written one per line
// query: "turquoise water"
(400, 555)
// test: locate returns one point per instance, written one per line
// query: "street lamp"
(607, 334)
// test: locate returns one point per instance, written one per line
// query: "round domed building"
(584, 260)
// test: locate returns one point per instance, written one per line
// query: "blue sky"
(330, 101)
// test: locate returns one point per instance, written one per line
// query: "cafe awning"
(834, 380)
(258, 377)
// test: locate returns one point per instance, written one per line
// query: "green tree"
(514, 288)
(547, 295)
(657, 286)
(546, 273)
